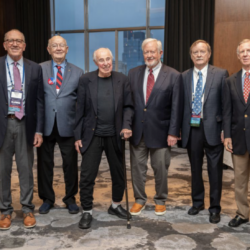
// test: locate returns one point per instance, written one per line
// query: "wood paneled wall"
(232, 24)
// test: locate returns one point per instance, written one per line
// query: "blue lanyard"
(10, 74)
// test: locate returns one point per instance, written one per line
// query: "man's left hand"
(38, 140)
(126, 133)
(172, 140)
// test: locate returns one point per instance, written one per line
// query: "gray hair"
(94, 54)
(55, 36)
(5, 35)
(243, 41)
(149, 40)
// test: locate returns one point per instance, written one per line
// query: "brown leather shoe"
(160, 209)
(29, 220)
(136, 209)
(5, 221)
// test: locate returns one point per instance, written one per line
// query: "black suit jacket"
(86, 110)
(162, 114)
(236, 115)
(212, 107)
(34, 100)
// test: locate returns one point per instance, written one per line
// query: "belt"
(11, 116)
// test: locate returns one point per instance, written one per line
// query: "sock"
(114, 205)
(89, 211)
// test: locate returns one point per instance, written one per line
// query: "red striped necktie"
(150, 84)
(59, 77)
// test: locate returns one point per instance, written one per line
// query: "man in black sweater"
(104, 111)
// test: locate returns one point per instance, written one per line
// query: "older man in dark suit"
(157, 92)
(104, 111)
(236, 115)
(21, 123)
(202, 126)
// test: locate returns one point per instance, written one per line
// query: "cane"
(125, 177)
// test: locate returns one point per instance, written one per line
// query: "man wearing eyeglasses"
(60, 80)
(104, 111)
(157, 92)
(236, 115)
(21, 125)
(202, 127)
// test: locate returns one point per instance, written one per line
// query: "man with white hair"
(158, 99)
(104, 111)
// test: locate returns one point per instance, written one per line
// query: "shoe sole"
(160, 213)
(84, 227)
(43, 212)
(74, 212)
(134, 213)
(30, 226)
(112, 213)
(5, 228)
(198, 211)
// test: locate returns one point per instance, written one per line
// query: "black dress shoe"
(236, 221)
(73, 208)
(195, 210)
(119, 212)
(85, 221)
(44, 209)
(214, 218)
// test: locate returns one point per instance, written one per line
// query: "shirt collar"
(63, 64)
(203, 71)
(244, 72)
(11, 61)
(155, 68)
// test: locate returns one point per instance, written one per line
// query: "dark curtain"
(32, 17)
(185, 22)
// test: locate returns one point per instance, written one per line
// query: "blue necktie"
(198, 95)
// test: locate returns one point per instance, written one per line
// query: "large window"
(118, 25)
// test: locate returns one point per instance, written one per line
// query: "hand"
(126, 133)
(228, 145)
(222, 136)
(38, 140)
(172, 140)
(78, 145)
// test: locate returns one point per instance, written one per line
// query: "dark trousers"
(91, 159)
(197, 144)
(45, 167)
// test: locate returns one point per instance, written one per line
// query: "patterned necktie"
(246, 87)
(18, 86)
(198, 95)
(150, 84)
(59, 77)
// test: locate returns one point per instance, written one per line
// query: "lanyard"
(10, 74)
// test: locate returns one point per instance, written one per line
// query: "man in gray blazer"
(60, 80)
(202, 126)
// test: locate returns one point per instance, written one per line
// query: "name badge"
(195, 120)
(16, 98)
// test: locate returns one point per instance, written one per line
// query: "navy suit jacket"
(34, 100)
(162, 114)
(236, 114)
(86, 110)
(212, 107)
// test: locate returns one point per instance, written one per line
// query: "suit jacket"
(63, 104)
(34, 100)
(162, 114)
(212, 106)
(236, 115)
(86, 111)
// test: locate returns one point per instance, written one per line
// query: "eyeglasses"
(150, 51)
(55, 45)
(108, 59)
(242, 52)
(11, 41)
(202, 52)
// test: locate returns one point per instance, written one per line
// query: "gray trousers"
(160, 161)
(15, 143)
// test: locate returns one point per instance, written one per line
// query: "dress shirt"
(156, 71)
(20, 65)
(63, 66)
(243, 78)
(195, 80)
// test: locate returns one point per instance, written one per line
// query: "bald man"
(60, 81)
(104, 111)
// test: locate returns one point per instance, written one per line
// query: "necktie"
(150, 84)
(59, 77)
(246, 87)
(18, 86)
(198, 95)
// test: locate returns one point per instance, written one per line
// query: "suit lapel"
(27, 70)
(49, 74)
(116, 88)
(66, 77)
(3, 79)
(140, 83)
(238, 86)
(93, 89)
(209, 81)
(188, 86)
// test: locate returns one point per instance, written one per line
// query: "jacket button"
(244, 129)
(142, 121)
(246, 116)
(93, 129)
(145, 109)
